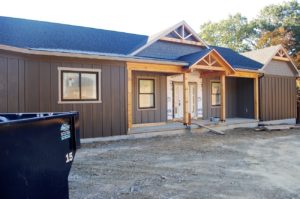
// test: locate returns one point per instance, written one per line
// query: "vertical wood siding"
(245, 97)
(159, 113)
(30, 84)
(239, 98)
(208, 110)
(280, 68)
(231, 97)
(277, 97)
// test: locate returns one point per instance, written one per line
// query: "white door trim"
(195, 98)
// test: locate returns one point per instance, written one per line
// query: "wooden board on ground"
(278, 127)
(209, 128)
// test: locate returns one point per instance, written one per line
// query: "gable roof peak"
(266, 55)
(152, 39)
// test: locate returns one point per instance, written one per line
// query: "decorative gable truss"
(182, 34)
(211, 62)
(179, 33)
(281, 55)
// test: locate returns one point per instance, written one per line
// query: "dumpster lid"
(8, 118)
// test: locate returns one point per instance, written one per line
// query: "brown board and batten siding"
(279, 68)
(30, 84)
(239, 98)
(159, 112)
(209, 110)
(278, 91)
(277, 97)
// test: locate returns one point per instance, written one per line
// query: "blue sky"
(135, 16)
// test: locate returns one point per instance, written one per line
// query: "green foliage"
(278, 36)
(285, 15)
(275, 24)
(232, 32)
(272, 17)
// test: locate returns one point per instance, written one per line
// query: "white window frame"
(60, 69)
(137, 92)
(218, 82)
(153, 94)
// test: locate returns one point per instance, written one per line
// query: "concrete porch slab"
(176, 128)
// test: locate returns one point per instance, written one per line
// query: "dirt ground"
(241, 164)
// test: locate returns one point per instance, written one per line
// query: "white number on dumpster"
(69, 157)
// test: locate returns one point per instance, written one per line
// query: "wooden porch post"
(256, 99)
(223, 97)
(185, 98)
(129, 96)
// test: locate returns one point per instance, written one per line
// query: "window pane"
(215, 100)
(88, 86)
(215, 88)
(146, 86)
(70, 85)
(146, 100)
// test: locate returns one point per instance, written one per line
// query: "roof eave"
(249, 70)
(29, 51)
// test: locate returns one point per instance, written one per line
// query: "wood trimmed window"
(79, 86)
(215, 93)
(146, 93)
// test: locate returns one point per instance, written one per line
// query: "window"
(215, 93)
(79, 85)
(146, 93)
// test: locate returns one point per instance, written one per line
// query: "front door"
(178, 99)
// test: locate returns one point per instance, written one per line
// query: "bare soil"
(241, 164)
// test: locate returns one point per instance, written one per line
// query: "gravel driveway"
(241, 164)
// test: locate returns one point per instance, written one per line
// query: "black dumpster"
(36, 154)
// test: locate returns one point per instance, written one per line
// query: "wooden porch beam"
(206, 74)
(223, 97)
(212, 68)
(129, 96)
(278, 58)
(185, 98)
(182, 41)
(244, 74)
(135, 66)
(256, 98)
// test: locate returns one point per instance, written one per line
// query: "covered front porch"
(221, 91)
(227, 94)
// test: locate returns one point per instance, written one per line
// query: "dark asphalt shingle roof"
(237, 60)
(54, 36)
(168, 50)
(194, 57)
(36, 34)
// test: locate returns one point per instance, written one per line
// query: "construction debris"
(209, 128)
(276, 127)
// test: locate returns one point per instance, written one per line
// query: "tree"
(280, 36)
(286, 14)
(275, 24)
(280, 24)
(275, 37)
(232, 32)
